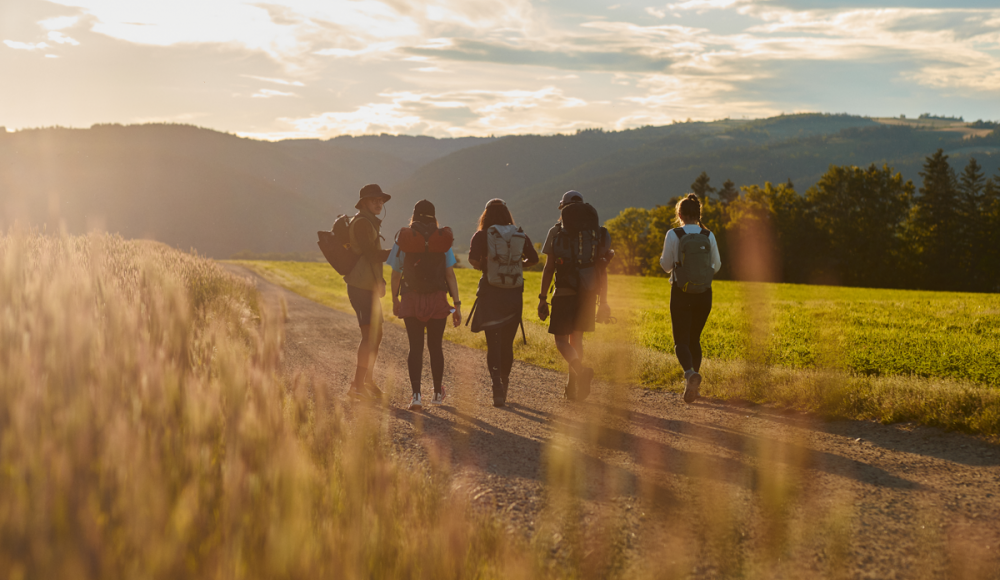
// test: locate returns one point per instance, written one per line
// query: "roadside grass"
(886, 355)
(145, 433)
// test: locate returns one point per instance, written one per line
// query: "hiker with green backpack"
(501, 250)
(691, 257)
(577, 251)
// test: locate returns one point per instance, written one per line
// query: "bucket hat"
(372, 191)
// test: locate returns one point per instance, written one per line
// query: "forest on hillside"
(857, 226)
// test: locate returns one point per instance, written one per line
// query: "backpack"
(581, 248)
(424, 265)
(504, 247)
(693, 272)
(336, 245)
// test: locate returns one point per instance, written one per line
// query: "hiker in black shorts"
(501, 250)
(366, 287)
(423, 275)
(691, 257)
(576, 254)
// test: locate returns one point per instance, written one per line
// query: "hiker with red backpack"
(423, 262)
(577, 251)
(501, 250)
(691, 257)
(353, 247)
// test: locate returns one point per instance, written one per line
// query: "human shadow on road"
(925, 441)
(782, 451)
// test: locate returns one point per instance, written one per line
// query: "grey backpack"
(693, 272)
(505, 244)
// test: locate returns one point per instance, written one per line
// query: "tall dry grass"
(145, 433)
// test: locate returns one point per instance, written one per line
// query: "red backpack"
(424, 265)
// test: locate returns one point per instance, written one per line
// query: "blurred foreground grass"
(889, 355)
(145, 433)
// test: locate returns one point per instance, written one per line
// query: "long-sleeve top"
(671, 247)
(365, 240)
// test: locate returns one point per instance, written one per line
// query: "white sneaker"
(439, 397)
(415, 402)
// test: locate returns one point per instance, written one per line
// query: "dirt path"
(711, 489)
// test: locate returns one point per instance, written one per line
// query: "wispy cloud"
(451, 113)
(276, 81)
(60, 38)
(25, 45)
(268, 93)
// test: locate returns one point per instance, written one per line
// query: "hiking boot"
(570, 392)
(439, 397)
(415, 402)
(692, 382)
(499, 396)
(583, 383)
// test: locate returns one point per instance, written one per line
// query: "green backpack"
(693, 272)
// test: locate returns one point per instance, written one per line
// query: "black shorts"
(367, 306)
(573, 313)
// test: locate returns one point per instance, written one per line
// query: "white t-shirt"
(671, 247)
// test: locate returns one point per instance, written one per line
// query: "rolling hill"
(221, 194)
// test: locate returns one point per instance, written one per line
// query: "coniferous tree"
(973, 224)
(989, 250)
(701, 187)
(729, 192)
(935, 222)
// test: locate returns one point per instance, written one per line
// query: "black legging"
(415, 361)
(500, 348)
(688, 314)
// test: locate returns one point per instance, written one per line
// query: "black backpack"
(424, 264)
(336, 245)
(580, 249)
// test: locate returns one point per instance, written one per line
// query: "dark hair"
(495, 214)
(688, 209)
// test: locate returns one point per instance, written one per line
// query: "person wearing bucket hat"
(366, 286)
(501, 250)
(422, 262)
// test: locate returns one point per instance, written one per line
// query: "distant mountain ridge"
(222, 194)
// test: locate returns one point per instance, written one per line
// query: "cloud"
(268, 93)
(276, 81)
(59, 22)
(60, 38)
(25, 45)
(565, 57)
(450, 113)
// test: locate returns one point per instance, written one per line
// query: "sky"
(281, 69)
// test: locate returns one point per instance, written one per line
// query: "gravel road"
(713, 489)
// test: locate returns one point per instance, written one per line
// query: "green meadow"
(890, 355)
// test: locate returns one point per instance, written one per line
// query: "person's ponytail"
(688, 209)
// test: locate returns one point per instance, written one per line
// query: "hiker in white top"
(691, 257)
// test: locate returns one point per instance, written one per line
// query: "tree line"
(857, 226)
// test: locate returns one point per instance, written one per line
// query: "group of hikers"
(577, 250)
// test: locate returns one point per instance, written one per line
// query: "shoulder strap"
(679, 232)
(704, 232)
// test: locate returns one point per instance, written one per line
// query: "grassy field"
(892, 355)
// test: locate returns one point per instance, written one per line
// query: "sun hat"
(372, 191)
